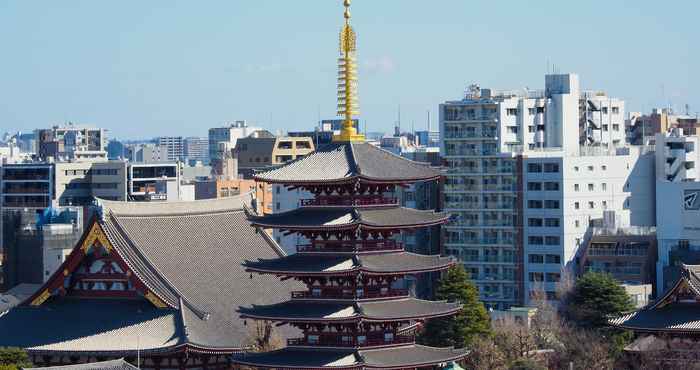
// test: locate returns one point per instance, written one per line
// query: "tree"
(469, 324)
(594, 298)
(263, 338)
(13, 358)
(526, 364)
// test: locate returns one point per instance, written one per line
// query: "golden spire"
(348, 106)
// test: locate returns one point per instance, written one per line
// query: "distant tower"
(348, 105)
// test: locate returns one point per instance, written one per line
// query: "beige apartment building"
(263, 149)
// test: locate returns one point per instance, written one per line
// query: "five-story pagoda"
(351, 314)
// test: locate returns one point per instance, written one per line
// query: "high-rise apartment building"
(173, 146)
(196, 149)
(488, 140)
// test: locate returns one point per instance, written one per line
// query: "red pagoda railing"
(337, 294)
(351, 246)
(337, 341)
(349, 201)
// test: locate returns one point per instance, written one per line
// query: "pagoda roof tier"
(401, 309)
(348, 162)
(119, 364)
(677, 311)
(344, 218)
(303, 264)
(183, 261)
(408, 356)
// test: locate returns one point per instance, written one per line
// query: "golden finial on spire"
(348, 106)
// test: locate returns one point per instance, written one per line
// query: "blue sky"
(148, 68)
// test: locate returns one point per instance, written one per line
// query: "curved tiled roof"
(407, 356)
(189, 255)
(347, 162)
(668, 314)
(103, 365)
(384, 263)
(334, 218)
(319, 311)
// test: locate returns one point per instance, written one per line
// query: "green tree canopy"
(470, 323)
(595, 297)
(13, 358)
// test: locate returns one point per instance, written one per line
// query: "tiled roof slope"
(318, 218)
(409, 356)
(667, 314)
(345, 162)
(103, 365)
(386, 263)
(190, 255)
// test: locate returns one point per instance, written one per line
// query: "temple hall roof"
(189, 255)
(385, 263)
(346, 162)
(336, 218)
(103, 365)
(408, 356)
(319, 311)
(678, 310)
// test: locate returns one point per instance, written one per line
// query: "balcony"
(370, 340)
(348, 202)
(349, 294)
(349, 246)
(25, 190)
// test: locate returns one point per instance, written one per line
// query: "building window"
(277, 189)
(605, 110)
(535, 240)
(512, 111)
(551, 204)
(605, 127)
(590, 168)
(604, 186)
(605, 204)
(576, 205)
(536, 276)
(551, 222)
(531, 111)
(591, 187)
(603, 167)
(551, 186)
(553, 259)
(277, 206)
(551, 167)
(534, 222)
(616, 110)
(591, 205)
(531, 129)
(576, 168)
(616, 127)
(551, 240)
(535, 204)
(576, 187)
(512, 129)
(534, 186)
(535, 258)
(534, 167)
(553, 277)
(576, 223)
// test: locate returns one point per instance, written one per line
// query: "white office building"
(228, 135)
(564, 197)
(173, 146)
(677, 203)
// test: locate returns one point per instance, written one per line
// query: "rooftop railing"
(350, 341)
(350, 246)
(346, 201)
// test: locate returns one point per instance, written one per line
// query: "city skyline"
(177, 68)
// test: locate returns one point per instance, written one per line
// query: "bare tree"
(263, 338)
